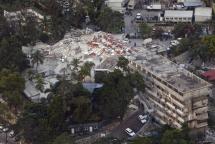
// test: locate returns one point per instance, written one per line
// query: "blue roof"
(92, 86)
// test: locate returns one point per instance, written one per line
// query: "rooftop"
(108, 64)
(178, 13)
(203, 11)
(175, 75)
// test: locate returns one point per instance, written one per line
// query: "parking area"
(133, 122)
(131, 25)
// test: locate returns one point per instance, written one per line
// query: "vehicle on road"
(11, 133)
(5, 129)
(154, 7)
(1, 128)
(130, 132)
(138, 16)
(143, 118)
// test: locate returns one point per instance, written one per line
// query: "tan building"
(176, 95)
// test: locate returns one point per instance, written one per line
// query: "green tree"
(142, 140)
(56, 115)
(11, 54)
(82, 109)
(75, 63)
(187, 30)
(123, 63)
(137, 81)
(11, 87)
(145, 30)
(64, 138)
(39, 82)
(113, 98)
(86, 69)
(33, 124)
(113, 26)
(173, 137)
(184, 45)
(37, 58)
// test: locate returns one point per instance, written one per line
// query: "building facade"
(176, 95)
(178, 16)
(203, 14)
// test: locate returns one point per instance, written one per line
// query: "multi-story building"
(176, 95)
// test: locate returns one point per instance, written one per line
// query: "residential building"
(177, 95)
(203, 14)
(178, 16)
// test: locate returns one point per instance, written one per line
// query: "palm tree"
(86, 69)
(39, 82)
(37, 58)
(75, 64)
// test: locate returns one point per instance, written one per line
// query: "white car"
(1, 127)
(130, 132)
(143, 118)
(138, 16)
(5, 129)
(11, 133)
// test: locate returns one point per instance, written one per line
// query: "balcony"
(180, 112)
(180, 119)
(177, 103)
(176, 124)
(202, 116)
(201, 110)
(200, 125)
(170, 105)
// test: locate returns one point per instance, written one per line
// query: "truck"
(154, 7)
(131, 4)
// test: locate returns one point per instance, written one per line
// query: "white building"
(116, 5)
(203, 14)
(178, 16)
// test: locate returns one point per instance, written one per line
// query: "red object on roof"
(210, 75)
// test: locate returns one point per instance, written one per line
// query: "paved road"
(131, 122)
(130, 24)
(3, 139)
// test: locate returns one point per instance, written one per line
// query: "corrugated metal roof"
(178, 13)
(203, 11)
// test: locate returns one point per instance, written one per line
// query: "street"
(131, 122)
(3, 139)
(130, 24)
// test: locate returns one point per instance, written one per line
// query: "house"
(178, 16)
(203, 14)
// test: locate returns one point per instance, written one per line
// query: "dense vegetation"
(198, 45)
(70, 103)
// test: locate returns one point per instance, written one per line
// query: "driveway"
(131, 122)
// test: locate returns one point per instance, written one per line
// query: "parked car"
(138, 16)
(143, 118)
(5, 129)
(130, 132)
(11, 133)
(1, 128)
